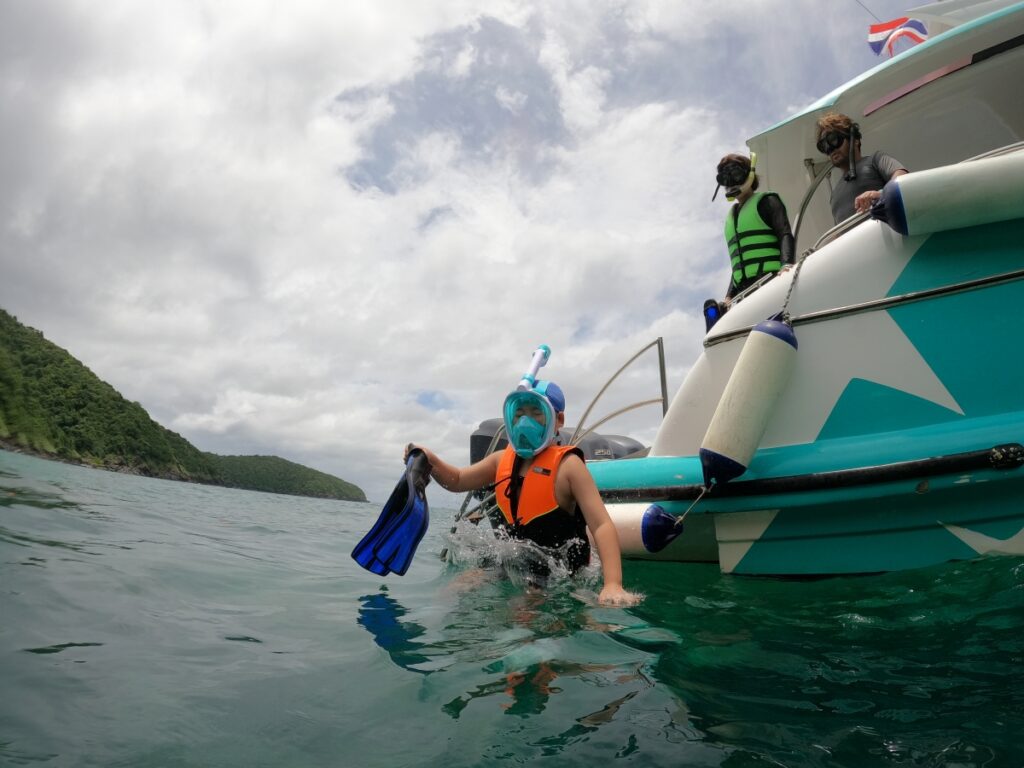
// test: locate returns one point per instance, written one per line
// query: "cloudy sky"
(322, 230)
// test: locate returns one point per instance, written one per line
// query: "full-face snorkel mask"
(736, 175)
(530, 411)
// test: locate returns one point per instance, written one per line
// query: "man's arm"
(888, 168)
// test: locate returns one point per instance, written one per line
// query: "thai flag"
(886, 34)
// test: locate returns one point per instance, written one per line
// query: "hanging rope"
(792, 285)
(679, 520)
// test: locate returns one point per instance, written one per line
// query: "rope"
(792, 285)
(679, 520)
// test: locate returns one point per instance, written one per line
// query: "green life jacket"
(754, 250)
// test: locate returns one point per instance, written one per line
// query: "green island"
(54, 407)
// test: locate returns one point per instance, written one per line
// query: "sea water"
(152, 623)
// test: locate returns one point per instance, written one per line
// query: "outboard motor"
(595, 447)
(481, 438)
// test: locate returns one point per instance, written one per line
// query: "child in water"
(544, 491)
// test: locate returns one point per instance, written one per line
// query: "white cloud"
(580, 88)
(463, 63)
(177, 210)
(513, 101)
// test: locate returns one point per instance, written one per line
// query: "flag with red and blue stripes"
(884, 36)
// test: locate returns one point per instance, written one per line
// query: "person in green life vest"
(757, 231)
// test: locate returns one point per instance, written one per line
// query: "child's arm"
(457, 479)
(606, 538)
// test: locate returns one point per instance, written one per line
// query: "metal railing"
(660, 344)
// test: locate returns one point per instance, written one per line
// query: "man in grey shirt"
(858, 188)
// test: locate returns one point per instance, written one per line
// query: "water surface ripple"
(152, 623)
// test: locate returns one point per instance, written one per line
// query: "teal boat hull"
(877, 457)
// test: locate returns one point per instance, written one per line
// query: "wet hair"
(732, 157)
(742, 160)
(834, 121)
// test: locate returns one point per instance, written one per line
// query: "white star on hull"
(988, 545)
(861, 266)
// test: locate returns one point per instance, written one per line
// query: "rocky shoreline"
(6, 444)
(10, 446)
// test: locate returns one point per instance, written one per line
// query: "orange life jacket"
(537, 516)
(537, 495)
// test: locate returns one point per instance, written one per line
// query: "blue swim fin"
(391, 543)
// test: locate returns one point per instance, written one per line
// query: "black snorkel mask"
(733, 175)
(830, 141)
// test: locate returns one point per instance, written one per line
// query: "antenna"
(868, 10)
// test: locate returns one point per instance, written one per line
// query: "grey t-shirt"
(872, 173)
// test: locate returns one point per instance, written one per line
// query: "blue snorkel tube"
(540, 359)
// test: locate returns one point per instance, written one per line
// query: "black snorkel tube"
(853, 136)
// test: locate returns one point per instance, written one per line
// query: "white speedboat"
(896, 442)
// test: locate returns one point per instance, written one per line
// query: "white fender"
(954, 196)
(750, 396)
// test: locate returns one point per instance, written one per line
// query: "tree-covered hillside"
(277, 475)
(52, 405)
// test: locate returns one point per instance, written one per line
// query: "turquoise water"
(151, 623)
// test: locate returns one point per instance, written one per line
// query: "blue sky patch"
(434, 400)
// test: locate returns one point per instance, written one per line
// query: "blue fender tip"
(658, 528)
(779, 329)
(718, 468)
(890, 207)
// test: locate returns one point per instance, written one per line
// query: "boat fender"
(658, 528)
(750, 396)
(954, 196)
